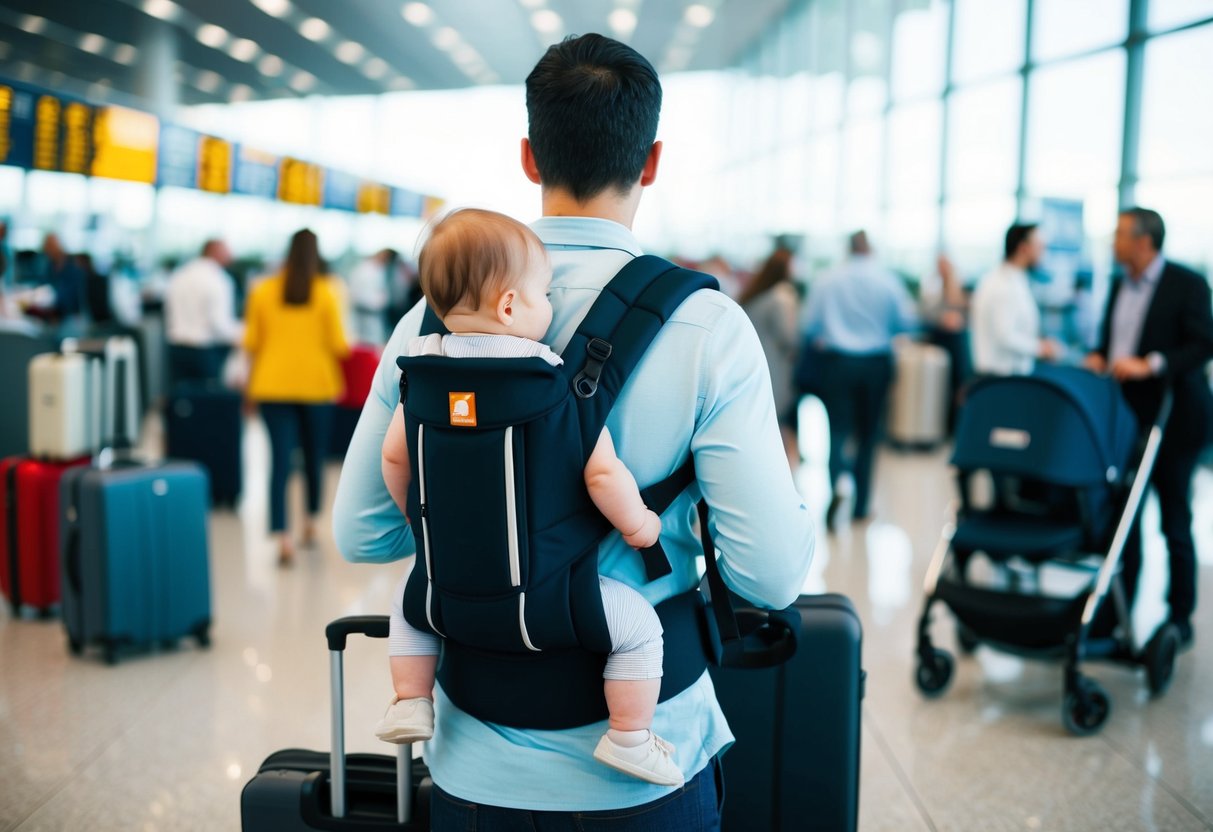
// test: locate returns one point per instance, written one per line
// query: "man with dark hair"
(702, 389)
(851, 317)
(1004, 319)
(1157, 335)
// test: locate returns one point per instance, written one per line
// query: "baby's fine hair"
(470, 251)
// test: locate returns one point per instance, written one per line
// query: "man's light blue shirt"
(703, 387)
(1132, 303)
(858, 309)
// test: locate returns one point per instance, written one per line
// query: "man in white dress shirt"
(1004, 319)
(200, 315)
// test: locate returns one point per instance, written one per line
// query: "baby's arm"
(613, 489)
(395, 463)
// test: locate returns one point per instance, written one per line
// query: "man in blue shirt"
(851, 318)
(702, 388)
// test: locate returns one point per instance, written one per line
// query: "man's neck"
(1137, 271)
(608, 205)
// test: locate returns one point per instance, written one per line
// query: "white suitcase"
(64, 406)
(918, 402)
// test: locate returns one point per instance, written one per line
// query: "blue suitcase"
(204, 423)
(135, 562)
(795, 765)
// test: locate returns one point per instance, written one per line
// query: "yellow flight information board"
(124, 145)
(300, 182)
(214, 165)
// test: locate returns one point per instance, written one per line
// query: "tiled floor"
(165, 742)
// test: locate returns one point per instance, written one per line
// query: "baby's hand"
(647, 534)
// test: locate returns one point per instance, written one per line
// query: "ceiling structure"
(239, 50)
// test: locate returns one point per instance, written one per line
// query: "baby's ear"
(505, 307)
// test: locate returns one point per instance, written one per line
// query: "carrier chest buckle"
(585, 384)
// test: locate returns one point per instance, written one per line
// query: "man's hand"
(1131, 368)
(1050, 349)
(1095, 363)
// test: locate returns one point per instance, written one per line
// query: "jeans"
(292, 425)
(693, 808)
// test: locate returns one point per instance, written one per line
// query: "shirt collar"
(585, 232)
(1154, 270)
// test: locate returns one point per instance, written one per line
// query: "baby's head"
(485, 272)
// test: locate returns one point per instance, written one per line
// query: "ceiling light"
(464, 54)
(446, 38)
(99, 89)
(93, 42)
(532, 4)
(622, 22)
(678, 57)
(419, 14)
(350, 52)
(240, 92)
(33, 24)
(547, 21)
(375, 69)
(163, 9)
(208, 81)
(302, 81)
(274, 8)
(488, 77)
(402, 83)
(243, 49)
(314, 29)
(209, 34)
(699, 15)
(125, 54)
(270, 65)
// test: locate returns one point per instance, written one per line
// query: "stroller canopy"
(1062, 425)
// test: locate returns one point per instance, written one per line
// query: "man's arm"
(1195, 327)
(367, 524)
(760, 524)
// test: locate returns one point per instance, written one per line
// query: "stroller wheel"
(934, 676)
(1086, 708)
(1160, 659)
(966, 639)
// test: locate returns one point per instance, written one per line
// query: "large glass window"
(1167, 13)
(1067, 27)
(868, 52)
(824, 156)
(974, 231)
(989, 38)
(920, 42)
(983, 139)
(1075, 123)
(1177, 111)
(864, 172)
(914, 135)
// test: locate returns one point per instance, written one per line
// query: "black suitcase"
(204, 423)
(795, 765)
(297, 790)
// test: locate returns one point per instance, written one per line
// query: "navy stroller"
(1061, 450)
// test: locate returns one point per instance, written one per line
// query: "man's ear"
(505, 307)
(649, 174)
(528, 162)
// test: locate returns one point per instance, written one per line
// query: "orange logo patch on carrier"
(463, 409)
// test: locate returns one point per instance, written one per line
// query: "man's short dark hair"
(593, 105)
(1146, 221)
(1017, 235)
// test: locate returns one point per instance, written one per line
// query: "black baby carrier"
(507, 535)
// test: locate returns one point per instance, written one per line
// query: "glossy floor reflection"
(166, 741)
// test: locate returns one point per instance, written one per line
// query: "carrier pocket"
(488, 623)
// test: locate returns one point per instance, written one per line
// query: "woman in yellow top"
(295, 342)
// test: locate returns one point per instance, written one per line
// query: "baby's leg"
(413, 655)
(633, 670)
(633, 683)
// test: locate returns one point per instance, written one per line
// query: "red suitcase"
(359, 371)
(29, 531)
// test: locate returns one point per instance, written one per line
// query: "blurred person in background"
(96, 291)
(1005, 320)
(65, 277)
(295, 342)
(369, 295)
(4, 255)
(771, 302)
(945, 309)
(851, 316)
(1157, 334)
(200, 315)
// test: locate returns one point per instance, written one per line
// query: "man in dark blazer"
(1158, 334)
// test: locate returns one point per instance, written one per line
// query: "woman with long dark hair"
(295, 341)
(771, 302)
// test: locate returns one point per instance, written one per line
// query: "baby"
(487, 276)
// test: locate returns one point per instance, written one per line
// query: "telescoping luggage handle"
(372, 626)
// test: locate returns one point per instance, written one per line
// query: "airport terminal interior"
(941, 150)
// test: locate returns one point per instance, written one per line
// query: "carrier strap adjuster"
(585, 384)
